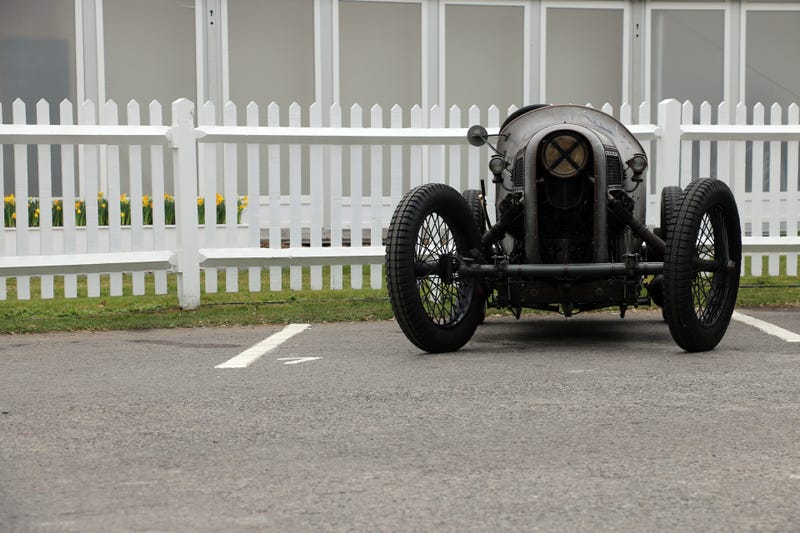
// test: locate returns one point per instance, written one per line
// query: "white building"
(446, 52)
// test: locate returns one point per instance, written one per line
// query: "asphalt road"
(582, 424)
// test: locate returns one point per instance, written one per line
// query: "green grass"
(38, 315)
(769, 291)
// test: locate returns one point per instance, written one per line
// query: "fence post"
(669, 144)
(182, 139)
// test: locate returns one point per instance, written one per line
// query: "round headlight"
(565, 154)
(638, 163)
(497, 164)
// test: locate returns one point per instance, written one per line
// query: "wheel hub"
(447, 266)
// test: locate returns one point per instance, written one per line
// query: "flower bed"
(57, 210)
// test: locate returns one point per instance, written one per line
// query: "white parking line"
(247, 357)
(766, 327)
(297, 360)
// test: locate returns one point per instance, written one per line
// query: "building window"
(688, 56)
(271, 52)
(37, 52)
(379, 54)
(772, 63)
(584, 56)
(484, 56)
(37, 61)
(149, 51)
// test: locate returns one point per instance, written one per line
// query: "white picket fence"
(323, 195)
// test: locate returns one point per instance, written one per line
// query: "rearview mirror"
(477, 135)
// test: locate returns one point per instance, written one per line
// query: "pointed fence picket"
(704, 147)
(792, 188)
(274, 188)
(91, 173)
(113, 193)
(775, 209)
(740, 192)
(21, 193)
(321, 190)
(416, 152)
(376, 197)
(454, 152)
(135, 182)
(253, 216)
(356, 193)
(207, 180)
(158, 192)
(757, 181)
(396, 165)
(723, 160)
(316, 195)
(68, 198)
(230, 194)
(295, 197)
(337, 209)
(45, 197)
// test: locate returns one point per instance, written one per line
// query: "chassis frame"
(556, 165)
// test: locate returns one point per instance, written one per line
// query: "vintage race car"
(570, 236)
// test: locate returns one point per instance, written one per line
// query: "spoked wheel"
(670, 203)
(475, 205)
(432, 229)
(701, 266)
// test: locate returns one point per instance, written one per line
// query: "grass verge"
(266, 307)
(39, 315)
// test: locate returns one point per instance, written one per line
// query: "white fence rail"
(317, 195)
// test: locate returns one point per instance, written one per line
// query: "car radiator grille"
(518, 176)
(613, 169)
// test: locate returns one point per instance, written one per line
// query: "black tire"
(475, 204)
(438, 312)
(655, 289)
(670, 204)
(699, 298)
